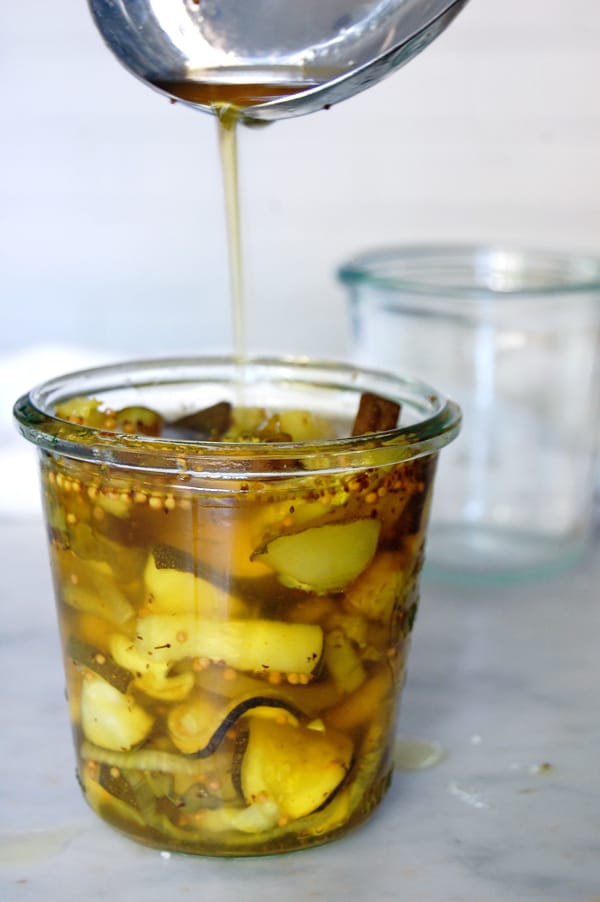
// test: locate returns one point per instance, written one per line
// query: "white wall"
(111, 218)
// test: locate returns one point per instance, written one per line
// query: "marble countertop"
(505, 679)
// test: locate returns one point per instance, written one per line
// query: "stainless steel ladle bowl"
(271, 58)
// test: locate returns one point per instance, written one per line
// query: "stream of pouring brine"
(228, 126)
(229, 101)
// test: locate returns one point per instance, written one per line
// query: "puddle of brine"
(33, 845)
(411, 753)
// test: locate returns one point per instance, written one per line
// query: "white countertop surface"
(507, 679)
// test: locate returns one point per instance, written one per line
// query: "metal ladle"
(271, 59)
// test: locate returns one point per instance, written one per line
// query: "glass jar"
(514, 336)
(235, 614)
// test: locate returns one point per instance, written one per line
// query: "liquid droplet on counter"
(411, 753)
(543, 769)
(33, 845)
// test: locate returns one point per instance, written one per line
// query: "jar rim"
(37, 422)
(473, 271)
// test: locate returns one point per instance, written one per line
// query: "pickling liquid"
(234, 663)
(237, 95)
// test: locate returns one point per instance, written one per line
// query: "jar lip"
(488, 271)
(37, 422)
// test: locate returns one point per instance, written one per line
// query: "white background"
(111, 214)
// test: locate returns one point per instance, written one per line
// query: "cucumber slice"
(323, 558)
(304, 426)
(105, 666)
(104, 601)
(380, 590)
(109, 718)
(198, 727)
(108, 805)
(173, 590)
(256, 645)
(150, 676)
(145, 759)
(343, 662)
(297, 768)
(377, 694)
(257, 818)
